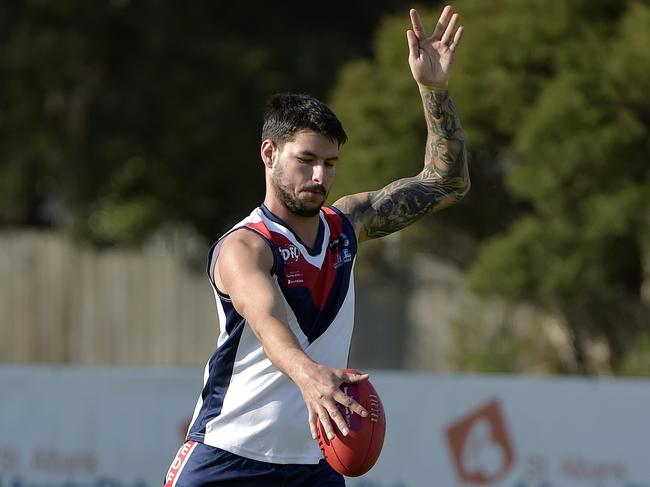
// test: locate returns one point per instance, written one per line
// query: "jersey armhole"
(347, 224)
(213, 253)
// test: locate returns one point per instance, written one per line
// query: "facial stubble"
(286, 194)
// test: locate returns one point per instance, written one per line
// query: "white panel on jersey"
(315, 260)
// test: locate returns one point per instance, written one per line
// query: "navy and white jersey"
(247, 406)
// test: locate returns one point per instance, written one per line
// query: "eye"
(304, 161)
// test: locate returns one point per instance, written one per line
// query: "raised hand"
(431, 57)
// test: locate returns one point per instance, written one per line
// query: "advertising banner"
(121, 427)
(92, 427)
(512, 431)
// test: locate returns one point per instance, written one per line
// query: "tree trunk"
(578, 330)
(644, 246)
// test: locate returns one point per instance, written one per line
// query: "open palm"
(431, 57)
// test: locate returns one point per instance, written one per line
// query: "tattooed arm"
(443, 181)
(445, 178)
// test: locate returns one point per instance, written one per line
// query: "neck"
(306, 227)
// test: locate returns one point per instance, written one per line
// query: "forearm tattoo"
(443, 181)
(445, 148)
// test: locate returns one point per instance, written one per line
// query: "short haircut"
(288, 113)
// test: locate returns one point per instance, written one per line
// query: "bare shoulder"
(243, 240)
(242, 252)
(355, 207)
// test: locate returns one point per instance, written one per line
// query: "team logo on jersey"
(340, 248)
(342, 257)
(341, 242)
(290, 254)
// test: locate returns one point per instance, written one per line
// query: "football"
(356, 453)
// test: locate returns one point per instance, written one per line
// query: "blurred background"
(129, 142)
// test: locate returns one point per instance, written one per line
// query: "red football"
(356, 453)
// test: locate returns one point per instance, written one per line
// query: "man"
(284, 288)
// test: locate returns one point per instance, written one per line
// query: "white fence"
(121, 427)
(64, 303)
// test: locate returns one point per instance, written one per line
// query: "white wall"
(120, 427)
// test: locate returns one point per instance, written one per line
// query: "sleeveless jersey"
(247, 406)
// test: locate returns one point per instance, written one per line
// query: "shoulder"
(356, 208)
(245, 265)
(245, 243)
(242, 253)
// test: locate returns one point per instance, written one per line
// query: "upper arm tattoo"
(443, 181)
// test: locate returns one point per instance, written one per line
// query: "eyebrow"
(306, 153)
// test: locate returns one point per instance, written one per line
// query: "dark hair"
(288, 113)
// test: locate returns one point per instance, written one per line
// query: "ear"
(267, 152)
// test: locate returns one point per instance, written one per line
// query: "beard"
(286, 194)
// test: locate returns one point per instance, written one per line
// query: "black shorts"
(199, 465)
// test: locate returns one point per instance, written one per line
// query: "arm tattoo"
(445, 148)
(443, 181)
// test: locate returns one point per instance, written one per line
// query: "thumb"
(414, 44)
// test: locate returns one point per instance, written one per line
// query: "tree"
(551, 95)
(118, 117)
(582, 165)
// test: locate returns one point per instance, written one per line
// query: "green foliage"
(553, 98)
(512, 262)
(89, 87)
(132, 115)
(581, 163)
(506, 56)
(581, 159)
(500, 338)
(629, 69)
(379, 105)
(637, 360)
(123, 211)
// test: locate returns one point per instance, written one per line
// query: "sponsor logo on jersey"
(294, 278)
(290, 254)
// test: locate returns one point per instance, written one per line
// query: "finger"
(418, 28)
(414, 45)
(457, 38)
(351, 404)
(442, 23)
(313, 426)
(339, 420)
(353, 378)
(324, 419)
(450, 30)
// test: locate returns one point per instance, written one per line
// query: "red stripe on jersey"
(321, 288)
(260, 227)
(300, 273)
(334, 220)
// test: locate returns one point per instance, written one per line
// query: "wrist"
(433, 88)
(299, 365)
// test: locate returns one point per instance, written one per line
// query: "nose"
(318, 173)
